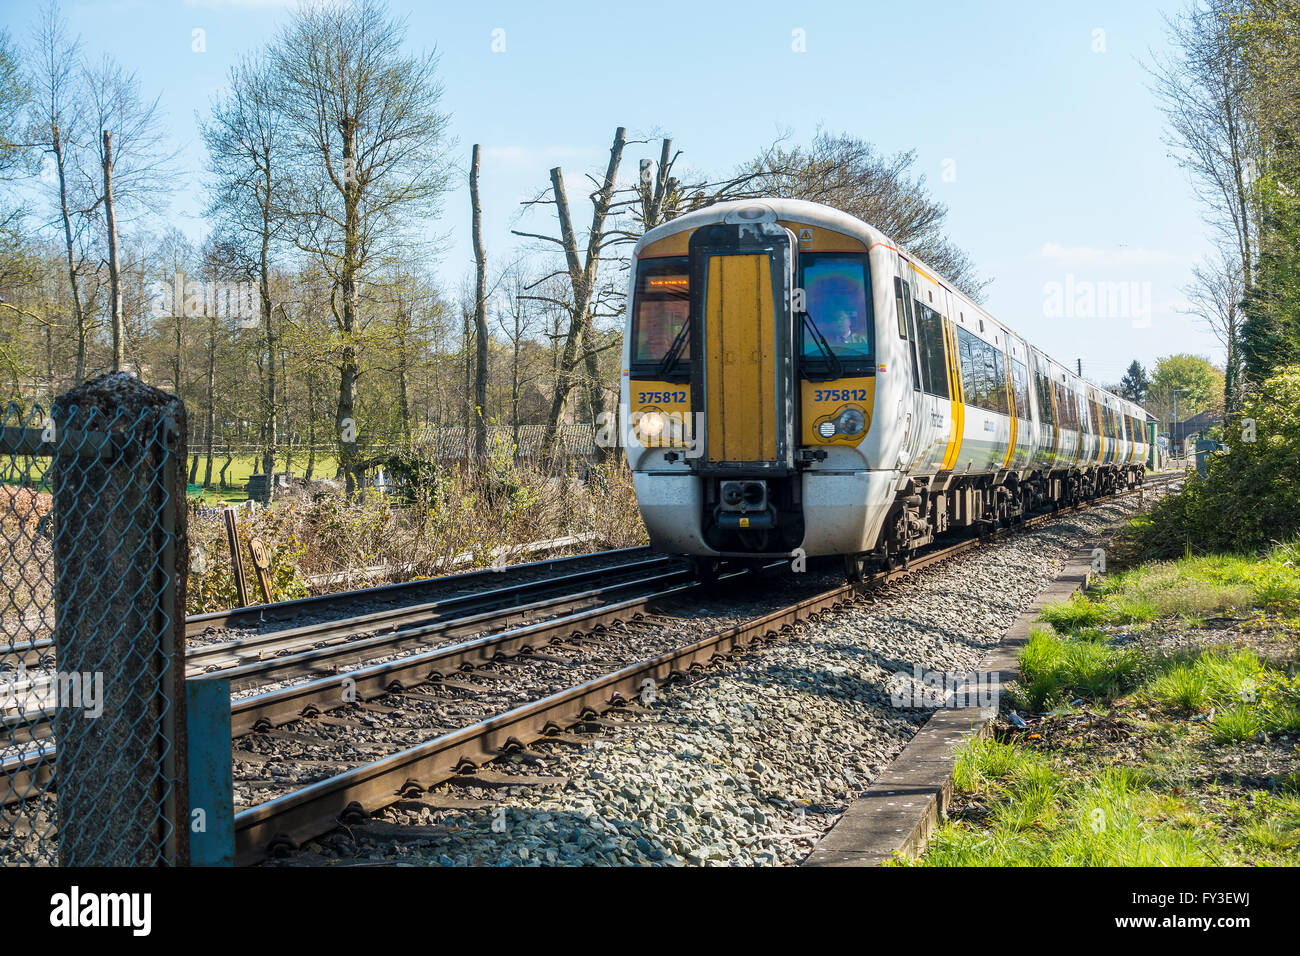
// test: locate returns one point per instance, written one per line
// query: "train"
(796, 384)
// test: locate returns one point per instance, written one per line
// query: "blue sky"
(1036, 129)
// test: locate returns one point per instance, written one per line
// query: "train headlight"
(826, 429)
(652, 424)
(851, 421)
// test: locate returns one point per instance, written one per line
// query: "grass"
(1197, 681)
(1176, 757)
(1033, 813)
(1191, 587)
(1056, 669)
(241, 469)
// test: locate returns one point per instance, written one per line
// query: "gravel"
(748, 763)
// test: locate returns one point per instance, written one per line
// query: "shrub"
(1250, 497)
(441, 522)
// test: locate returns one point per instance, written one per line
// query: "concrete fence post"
(121, 558)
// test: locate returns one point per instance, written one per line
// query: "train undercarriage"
(927, 507)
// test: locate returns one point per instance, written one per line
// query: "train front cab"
(751, 386)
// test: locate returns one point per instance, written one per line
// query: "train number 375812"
(655, 397)
(839, 394)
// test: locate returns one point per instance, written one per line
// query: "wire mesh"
(84, 622)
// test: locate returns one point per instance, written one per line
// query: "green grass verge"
(1033, 810)
(1180, 755)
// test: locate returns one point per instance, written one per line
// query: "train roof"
(817, 214)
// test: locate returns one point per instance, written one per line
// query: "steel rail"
(403, 591)
(478, 607)
(587, 607)
(276, 707)
(328, 660)
(285, 822)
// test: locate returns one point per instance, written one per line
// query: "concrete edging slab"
(901, 808)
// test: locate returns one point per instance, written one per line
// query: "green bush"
(1250, 497)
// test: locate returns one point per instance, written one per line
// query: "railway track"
(286, 821)
(327, 646)
(336, 607)
(533, 621)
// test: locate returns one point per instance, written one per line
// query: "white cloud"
(1082, 256)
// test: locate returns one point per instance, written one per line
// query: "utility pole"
(1177, 424)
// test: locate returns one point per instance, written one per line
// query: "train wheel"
(854, 567)
(706, 569)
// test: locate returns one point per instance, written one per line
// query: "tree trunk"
(514, 373)
(583, 278)
(467, 409)
(344, 417)
(264, 288)
(114, 276)
(344, 421)
(77, 315)
(404, 403)
(311, 425)
(480, 310)
(210, 398)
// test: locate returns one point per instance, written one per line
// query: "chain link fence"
(92, 519)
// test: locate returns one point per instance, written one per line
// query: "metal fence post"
(121, 557)
(211, 772)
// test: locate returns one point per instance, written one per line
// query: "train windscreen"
(662, 306)
(837, 297)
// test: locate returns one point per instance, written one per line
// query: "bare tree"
(847, 172)
(247, 141)
(1216, 293)
(15, 96)
(57, 128)
(480, 310)
(130, 171)
(1200, 88)
(516, 319)
(582, 273)
(370, 157)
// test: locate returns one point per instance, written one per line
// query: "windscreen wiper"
(834, 369)
(674, 351)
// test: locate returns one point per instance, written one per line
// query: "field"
(242, 466)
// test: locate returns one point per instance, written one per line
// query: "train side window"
(903, 300)
(1020, 387)
(1043, 390)
(966, 358)
(1000, 391)
(934, 356)
(900, 308)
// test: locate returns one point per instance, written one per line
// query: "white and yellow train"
(796, 383)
